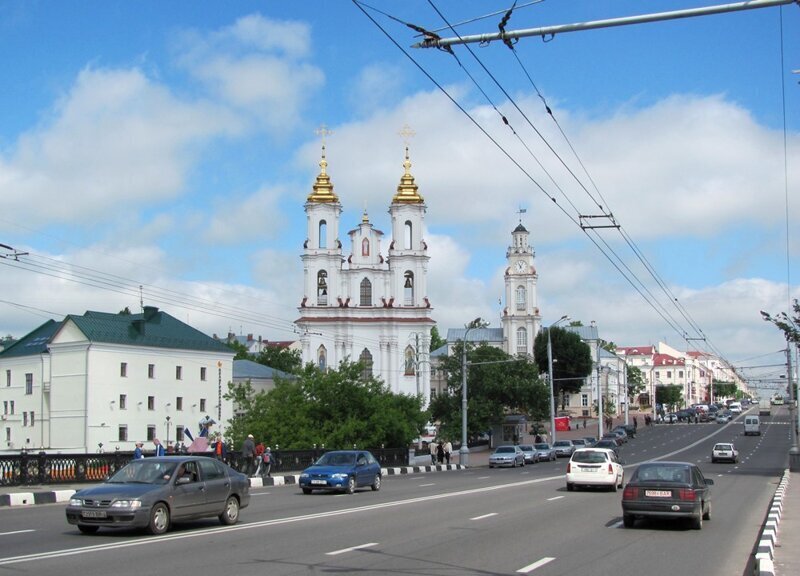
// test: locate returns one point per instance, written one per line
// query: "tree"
(572, 360)
(635, 379)
(436, 340)
(125, 311)
(240, 349)
(724, 389)
(280, 358)
(786, 324)
(669, 396)
(335, 408)
(497, 384)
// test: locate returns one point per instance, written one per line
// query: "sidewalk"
(786, 554)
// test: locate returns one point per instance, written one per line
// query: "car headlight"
(132, 504)
(339, 476)
(75, 502)
(304, 475)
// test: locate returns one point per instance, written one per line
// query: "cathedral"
(367, 303)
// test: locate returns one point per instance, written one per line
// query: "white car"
(595, 467)
(724, 451)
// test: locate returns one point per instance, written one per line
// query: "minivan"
(735, 407)
(752, 425)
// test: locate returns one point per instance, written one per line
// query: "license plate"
(658, 493)
(589, 469)
(93, 513)
(322, 482)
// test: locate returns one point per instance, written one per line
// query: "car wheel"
(553, 458)
(231, 513)
(351, 485)
(570, 487)
(707, 513)
(159, 519)
(523, 462)
(491, 465)
(697, 522)
(376, 484)
(628, 520)
(713, 460)
(306, 490)
(514, 465)
(88, 529)
(614, 486)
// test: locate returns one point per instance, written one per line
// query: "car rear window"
(663, 473)
(590, 457)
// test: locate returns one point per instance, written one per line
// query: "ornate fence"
(29, 468)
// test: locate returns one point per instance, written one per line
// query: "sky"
(162, 153)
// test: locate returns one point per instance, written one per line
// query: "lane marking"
(554, 498)
(617, 525)
(16, 532)
(535, 565)
(352, 548)
(484, 516)
(259, 493)
(483, 477)
(425, 485)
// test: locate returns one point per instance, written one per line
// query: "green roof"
(33, 343)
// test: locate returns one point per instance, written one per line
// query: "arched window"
(365, 247)
(410, 363)
(366, 292)
(322, 288)
(323, 234)
(522, 341)
(366, 364)
(408, 288)
(407, 235)
(322, 358)
(521, 297)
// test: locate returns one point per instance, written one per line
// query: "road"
(478, 521)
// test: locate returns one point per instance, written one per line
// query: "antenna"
(141, 298)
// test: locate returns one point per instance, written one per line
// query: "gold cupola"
(323, 187)
(407, 189)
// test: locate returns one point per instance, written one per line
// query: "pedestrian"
(220, 453)
(635, 424)
(159, 447)
(432, 447)
(266, 462)
(440, 453)
(448, 449)
(584, 423)
(538, 439)
(137, 452)
(248, 455)
(259, 453)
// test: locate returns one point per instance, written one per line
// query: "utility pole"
(794, 451)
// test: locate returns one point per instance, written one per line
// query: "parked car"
(151, 493)
(507, 455)
(723, 417)
(544, 451)
(630, 429)
(594, 467)
(342, 471)
(670, 418)
(667, 490)
(620, 433)
(609, 443)
(613, 437)
(724, 451)
(563, 448)
(735, 407)
(590, 440)
(531, 455)
(579, 443)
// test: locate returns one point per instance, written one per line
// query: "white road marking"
(617, 525)
(425, 485)
(554, 498)
(343, 550)
(16, 532)
(535, 565)
(484, 516)
(483, 477)
(259, 493)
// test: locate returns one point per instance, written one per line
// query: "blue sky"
(172, 145)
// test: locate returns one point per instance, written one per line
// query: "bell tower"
(521, 319)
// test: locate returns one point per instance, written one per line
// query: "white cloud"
(241, 220)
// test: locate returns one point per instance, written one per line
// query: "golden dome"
(323, 187)
(407, 189)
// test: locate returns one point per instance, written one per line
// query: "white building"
(102, 381)
(362, 305)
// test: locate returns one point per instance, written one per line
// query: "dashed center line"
(484, 516)
(554, 498)
(351, 549)
(16, 532)
(535, 565)
(429, 484)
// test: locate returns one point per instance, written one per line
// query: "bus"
(777, 400)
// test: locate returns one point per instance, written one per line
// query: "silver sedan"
(507, 456)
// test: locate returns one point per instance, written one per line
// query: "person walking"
(259, 452)
(635, 424)
(159, 447)
(448, 450)
(266, 462)
(433, 446)
(137, 452)
(248, 455)
(440, 453)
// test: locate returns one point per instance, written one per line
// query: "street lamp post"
(463, 453)
(550, 379)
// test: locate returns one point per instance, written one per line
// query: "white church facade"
(366, 302)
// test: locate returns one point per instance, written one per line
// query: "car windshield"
(542, 446)
(337, 459)
(663, 473)
(589, 457)
(562, 443)
(505, 449)
(606, 443)
(526, 447)
(144, 471)
(723, 447)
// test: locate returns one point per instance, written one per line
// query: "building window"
(33, 418)
(669, 374)
(584, 400)
(365, 247)
(322, 288)
(202, 374)
(11, 404)
(522, 341)
(408, 235)
(5, 406)
(179, 433)
(123, 401)
(179, 403)
(680, 373)
(202, 404)
(323, 234)
(322, 358)
(24, 418)
(151, 433)
(151, 402)
(408, 288)
(151, 371)
(521, 299)
(123, 369)
(410, 357)
(366, 364)
(8, 434)
(366, 292)
(29, 383)
(8, 377)
(566, 400)
(122, 433)
(178, 372)
(433, 393)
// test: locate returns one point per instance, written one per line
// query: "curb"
(768, 538)
(54, 496)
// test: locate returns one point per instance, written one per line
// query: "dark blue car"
(342, 471)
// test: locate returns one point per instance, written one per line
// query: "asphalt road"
(478, 521)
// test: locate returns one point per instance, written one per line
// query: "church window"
(365, 247)
(408, 229)
(323, 234)
(521, 297)
(410, 361)
(366, 364)
(408, 288)
(366, 292)
(522, 341)
(322, 288)
(322, 358)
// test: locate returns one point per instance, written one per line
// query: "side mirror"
(185, 479)
(709, 482)
(621, 462)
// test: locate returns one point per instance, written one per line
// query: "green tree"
(635, 380)
(436, 340)
(281, 358)
(785, 323)
(335, 408)
(125, 311)
(670, 396)
(497, 384)
(572, 360)
(724, 389)
(239, 348)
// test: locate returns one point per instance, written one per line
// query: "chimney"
(150, 312)
(249, 337)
